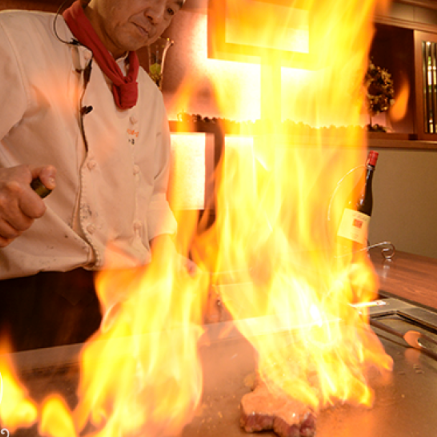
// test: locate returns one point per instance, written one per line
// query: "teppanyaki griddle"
(405, 407)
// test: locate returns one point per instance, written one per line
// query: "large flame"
(140, 373)
(275, 240)
(278, 228)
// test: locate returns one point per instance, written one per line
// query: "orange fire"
(274, 240)
(278, 228)
(16, 408)
(56, 419)
(140, 373)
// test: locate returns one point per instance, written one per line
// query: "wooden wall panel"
(40, 5)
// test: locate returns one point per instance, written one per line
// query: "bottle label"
(354, 226)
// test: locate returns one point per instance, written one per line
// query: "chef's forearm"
(161, 245)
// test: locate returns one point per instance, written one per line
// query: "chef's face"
(128, 25)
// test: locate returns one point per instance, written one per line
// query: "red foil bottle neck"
(372, 158)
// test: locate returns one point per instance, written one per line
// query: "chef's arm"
(19, 204)
(162, 244)
(163, 248)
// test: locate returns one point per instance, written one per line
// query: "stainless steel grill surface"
(405, 407)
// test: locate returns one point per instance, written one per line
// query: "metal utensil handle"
(40, 188)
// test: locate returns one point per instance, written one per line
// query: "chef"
(84, 122)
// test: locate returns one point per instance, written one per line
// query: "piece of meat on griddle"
(263, 411)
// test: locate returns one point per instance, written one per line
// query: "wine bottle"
(354, 225)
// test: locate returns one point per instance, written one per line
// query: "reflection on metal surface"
(414, 313)
(398, 409)
(413, 338)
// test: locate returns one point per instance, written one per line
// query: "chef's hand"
(19, 204)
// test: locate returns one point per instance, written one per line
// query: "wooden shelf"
(399, 141)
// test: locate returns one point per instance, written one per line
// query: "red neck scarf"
(124, 88)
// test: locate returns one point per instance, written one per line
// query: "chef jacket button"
(133, 119)
(136, 169)
(91, 164)
(137, 225)
(91, 229)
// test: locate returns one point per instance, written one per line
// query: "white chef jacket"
(113, 165)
